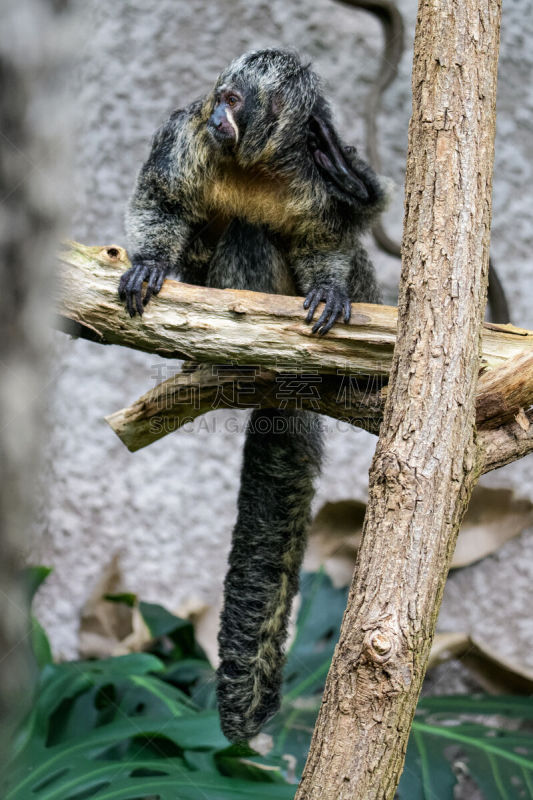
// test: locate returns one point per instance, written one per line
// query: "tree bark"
(186, 396)
(233, 326)
(508, 443)
(225, 326)
(426, 460)
(503, 394)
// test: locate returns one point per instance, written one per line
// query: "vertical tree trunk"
(425, 463)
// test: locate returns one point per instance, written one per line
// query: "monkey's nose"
(222, 131)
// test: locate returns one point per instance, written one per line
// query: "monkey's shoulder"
(173, 139)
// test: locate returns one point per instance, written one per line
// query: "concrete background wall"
(169, 510)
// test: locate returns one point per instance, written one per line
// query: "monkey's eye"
(232, 100)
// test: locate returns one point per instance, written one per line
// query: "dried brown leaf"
(108, 628)
(334, 540)
(493, 517)
(495, 673)
(205, 619)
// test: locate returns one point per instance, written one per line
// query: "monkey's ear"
(329, 156)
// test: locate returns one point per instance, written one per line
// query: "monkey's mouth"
(223, 134)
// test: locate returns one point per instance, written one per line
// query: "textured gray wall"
(169, 510)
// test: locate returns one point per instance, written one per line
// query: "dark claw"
(154, 284)
(139, 299)
(130, 287)
(322, 327)
(336, 304)
(134, 291)
(326, 326)
(332, 320)
(122, 285)
(347, 310)
(325, 314)
(314, 297)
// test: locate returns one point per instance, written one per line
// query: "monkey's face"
(224, 124)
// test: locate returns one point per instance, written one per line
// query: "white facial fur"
(229, 117)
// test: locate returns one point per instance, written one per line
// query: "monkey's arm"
(337, 278)
(355, 196)
(158, 224)
(157, 234)
(324, 276)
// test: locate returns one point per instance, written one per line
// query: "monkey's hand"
(337, 303)
(131, 283)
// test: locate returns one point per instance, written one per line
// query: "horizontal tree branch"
(503, 391)
(226, 326)
(512, 441)
(342, 375)
(186, 396)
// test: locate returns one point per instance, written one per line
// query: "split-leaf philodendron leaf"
(144, 726)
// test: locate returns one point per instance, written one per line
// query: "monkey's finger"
(334, 314)
(322, 318)
(138, 294)
(160, 281)
(157, 276)
(128, 291)
(131, 276)
(314, 296)
(134, 288)
(124, 282)
(151, 288)
(314, 299)
(129, 304)
(333, 310)
(347, 310)
(331, 321)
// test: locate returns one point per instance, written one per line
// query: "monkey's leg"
(282, 456)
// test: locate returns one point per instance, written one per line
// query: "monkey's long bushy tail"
(282, 456)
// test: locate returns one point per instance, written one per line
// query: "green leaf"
(168, 628)
(195, 676)
(40, 644)
(160, 621)
(33, 577)
(317, 631)
(130, 727)
(139, 778)
(240, 761)
(56, 711)
(116, 729)
(487, 739)
(127, 598)
(446, 706)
